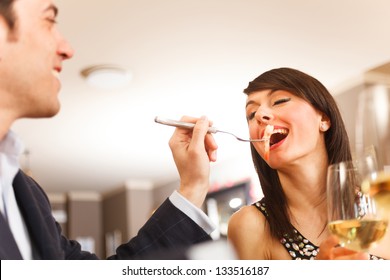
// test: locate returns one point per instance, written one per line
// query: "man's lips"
(56, 73)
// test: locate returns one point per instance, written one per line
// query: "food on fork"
(267, 134)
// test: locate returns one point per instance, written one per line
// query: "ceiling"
(187, 57)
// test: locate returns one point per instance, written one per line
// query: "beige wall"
(348, 103)
(85, 220)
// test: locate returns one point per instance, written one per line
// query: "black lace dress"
(299, 248)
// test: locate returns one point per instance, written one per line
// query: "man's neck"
(5, 124)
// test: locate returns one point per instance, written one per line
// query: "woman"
(291, 220)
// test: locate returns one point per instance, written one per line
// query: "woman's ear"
(325, 123)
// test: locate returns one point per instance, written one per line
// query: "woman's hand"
(330, 250)
(192, 151)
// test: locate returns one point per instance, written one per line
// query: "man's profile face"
(32, 55)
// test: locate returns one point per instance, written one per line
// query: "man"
(32, 51)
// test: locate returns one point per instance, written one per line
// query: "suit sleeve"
(168, 229)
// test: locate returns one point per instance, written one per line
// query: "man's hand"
(192, 151)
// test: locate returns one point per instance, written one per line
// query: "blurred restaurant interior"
(106, 164)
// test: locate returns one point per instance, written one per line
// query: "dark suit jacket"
(168, 230)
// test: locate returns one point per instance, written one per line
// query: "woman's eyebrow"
(52, 8)
(250, 102)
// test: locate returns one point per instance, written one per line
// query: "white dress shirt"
(197, 215)
(10, 150)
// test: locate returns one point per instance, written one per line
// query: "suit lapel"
(8, 249)
(36, 211)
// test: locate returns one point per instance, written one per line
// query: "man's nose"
(65, 49)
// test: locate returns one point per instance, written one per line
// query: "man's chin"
(53, 112)
(48, 113)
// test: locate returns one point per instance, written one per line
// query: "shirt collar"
(11, 145)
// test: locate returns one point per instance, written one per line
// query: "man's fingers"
(211, 147)
(198, 138)
(182, 134)
(199, 133)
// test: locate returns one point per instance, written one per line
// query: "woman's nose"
(264, 116)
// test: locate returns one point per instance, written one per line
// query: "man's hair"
(6, 11)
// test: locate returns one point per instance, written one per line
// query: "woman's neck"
(305, 190)
(304, 182)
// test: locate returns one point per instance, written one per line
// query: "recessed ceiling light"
(106, 77)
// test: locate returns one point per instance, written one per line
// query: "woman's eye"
(251, 116)
(280, 101)
(52, 20)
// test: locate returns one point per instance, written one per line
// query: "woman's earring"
(322, 127)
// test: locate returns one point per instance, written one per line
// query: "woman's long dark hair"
(6, 10)
(336, 138)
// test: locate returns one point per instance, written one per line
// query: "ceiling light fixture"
(106, 76)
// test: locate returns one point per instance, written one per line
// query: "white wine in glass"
(352, 214)
(358, 234)
(379, 189)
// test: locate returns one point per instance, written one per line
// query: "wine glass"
(372, 141)
(352, 214)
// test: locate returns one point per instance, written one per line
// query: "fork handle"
(181, 124)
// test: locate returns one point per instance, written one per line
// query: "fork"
(211, 129)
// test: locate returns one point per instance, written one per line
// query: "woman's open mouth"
(278, 135)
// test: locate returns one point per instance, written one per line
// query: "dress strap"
(299, 248)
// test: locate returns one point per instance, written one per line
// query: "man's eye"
(280, 101)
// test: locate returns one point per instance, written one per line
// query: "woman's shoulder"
(247, 216)
(248, 231)
(247, 219)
